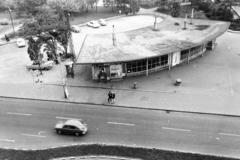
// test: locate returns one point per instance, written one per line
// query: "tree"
(128, 5)
(50, 29)
(72, 6)
(175, 9)
(134, 5)
(91, 3)
(162, 4)
(29, 7)
(44, 21)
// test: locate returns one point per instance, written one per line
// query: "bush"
(200, 15)
(95, 149)
(148, 4)
(175, 10)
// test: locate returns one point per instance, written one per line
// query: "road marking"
(32, 135)
(7, 140)
(20, 114)
(67, 118)
(126, 124)
(40, 132)
(229, 134)
(177, 129)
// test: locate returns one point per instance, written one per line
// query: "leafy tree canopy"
(29, 7)
(68, 5)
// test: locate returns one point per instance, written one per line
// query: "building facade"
(146, 50)
(119, 70)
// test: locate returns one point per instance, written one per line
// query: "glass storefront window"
(184, 54)
(140, 65)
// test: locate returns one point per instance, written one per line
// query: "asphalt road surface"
(29, 124)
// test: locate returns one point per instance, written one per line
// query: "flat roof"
(136, 39)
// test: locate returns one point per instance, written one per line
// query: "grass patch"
(96, 149)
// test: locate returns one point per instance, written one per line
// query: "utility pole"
(10, 13)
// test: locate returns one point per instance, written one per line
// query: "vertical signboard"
(175, 58)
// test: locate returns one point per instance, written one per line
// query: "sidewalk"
(197, 103)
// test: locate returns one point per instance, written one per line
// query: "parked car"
(93, 24)
(21, 42)
(44, 66)
(75, 29)
(71, 127)
(102, 22)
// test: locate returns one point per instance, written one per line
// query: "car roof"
(20, 39)
(74, 122)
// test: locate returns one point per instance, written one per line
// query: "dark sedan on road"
(71, 127)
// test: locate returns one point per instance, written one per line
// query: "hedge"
(97, 149)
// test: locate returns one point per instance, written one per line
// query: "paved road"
(29, 124)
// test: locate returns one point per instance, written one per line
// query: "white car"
(93, 24)
(75, 29)
(21, 42)
(44, 66)
(71, 127)
(102, 22)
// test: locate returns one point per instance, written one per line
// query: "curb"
(121, 106)
(232, 31)
(95, 157)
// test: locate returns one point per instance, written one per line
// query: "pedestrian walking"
(109, 97)
(113, 97)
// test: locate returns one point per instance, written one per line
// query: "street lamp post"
(10, 13)
(185, 22)
(114, 36)
(155, 27)
(192, 16)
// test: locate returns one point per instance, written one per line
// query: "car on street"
(93, 24)
(102, 22)
(75, 29)
(71, 127)
(21, 42)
